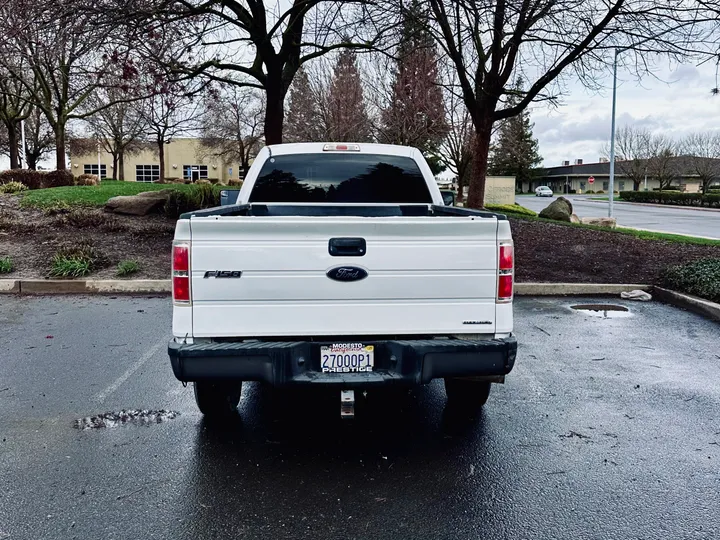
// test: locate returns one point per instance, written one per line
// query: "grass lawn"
(643, 235)
(89, 195)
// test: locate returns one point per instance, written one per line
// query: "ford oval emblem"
(347, 273)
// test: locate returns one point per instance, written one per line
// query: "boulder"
(138, 205)
(559, 210)
(608, 222)
(574, 219)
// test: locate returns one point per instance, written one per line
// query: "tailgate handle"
(347, 247)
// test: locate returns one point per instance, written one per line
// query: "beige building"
(184, 158)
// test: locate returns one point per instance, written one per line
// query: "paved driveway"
(664, 219)
(605, 429)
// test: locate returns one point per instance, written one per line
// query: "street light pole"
(23, 154)
(612, 140)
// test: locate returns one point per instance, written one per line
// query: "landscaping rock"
(574, 219)
(608, 222)
(138, 205)
(559, 210)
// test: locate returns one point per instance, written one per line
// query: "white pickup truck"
(339, 266)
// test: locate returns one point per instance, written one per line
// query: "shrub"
(58, 178)
(235, 182)
(6, 265)
(196, 197)
(125, 268)
(203, 181)
(12, 187)
(600, 191)
(75, 261)
(82, 218)
(32, 179)
(87, 180)
(511, 209)
(700, 278)
(672, 197)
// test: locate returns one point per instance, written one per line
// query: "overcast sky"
(677, 104)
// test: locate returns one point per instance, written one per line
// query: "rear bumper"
(403, 362)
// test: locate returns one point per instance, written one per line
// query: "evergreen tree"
(347, 118)
(415, 114)
(304, 119)
(515, 152)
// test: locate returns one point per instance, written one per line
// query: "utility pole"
(612, 140)
(23, 153)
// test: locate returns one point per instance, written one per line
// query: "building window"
(582, 186)
(622, 186)
(606, 185)
(147, 173)
(195, 172)
(93, 169)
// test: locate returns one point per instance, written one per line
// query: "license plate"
(347, 358)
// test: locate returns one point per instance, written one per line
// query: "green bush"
(126, 268)
(12, 187)
(673, 197)
(58, 179)
(75, 261)
(196, 197)
(700, 278)
(32, 179)
(6, 265)
(510, 209)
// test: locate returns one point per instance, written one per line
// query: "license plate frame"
(347, 358)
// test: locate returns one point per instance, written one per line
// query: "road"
(607, 428)
(686, 221)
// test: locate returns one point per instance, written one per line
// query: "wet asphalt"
(607, 429)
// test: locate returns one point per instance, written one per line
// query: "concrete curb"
(90, 286)
(654, 205)
(575, 289)
(706, 308)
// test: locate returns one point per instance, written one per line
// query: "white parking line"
(99, 397)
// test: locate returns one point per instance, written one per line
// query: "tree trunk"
(31, 161)
(161, 155)
(274, 114)
(636, 185)
(60, 161)
(115, 174)
(13, 143)
(481, 150)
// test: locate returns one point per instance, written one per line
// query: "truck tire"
(467, 393)
(215, 399)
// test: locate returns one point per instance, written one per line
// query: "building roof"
(682, 164)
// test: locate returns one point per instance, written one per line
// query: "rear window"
(340, 178)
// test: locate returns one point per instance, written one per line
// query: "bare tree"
(456, 150)
(632, 152)
(117, 124)
(663, 163)
(14, 108)
(59, 58)
(702, 150)
(490, 43)
(232, 126)
(39, 138)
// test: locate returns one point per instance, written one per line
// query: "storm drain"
(605, 311)
(140, 417)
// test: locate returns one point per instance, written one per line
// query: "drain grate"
(606, 311)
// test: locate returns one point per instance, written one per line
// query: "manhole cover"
(606, 311)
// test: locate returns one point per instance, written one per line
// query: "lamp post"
(611, 183)
(23, 153)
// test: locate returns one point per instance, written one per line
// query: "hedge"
(672, 197)
(32, 179)
(700, 278)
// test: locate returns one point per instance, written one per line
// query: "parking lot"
(607, 428)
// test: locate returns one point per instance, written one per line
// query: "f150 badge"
(223, 274)
(347, 273)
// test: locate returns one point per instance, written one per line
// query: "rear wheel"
(215, 399)
(467, 393)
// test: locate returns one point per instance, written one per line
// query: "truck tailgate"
(425, 275)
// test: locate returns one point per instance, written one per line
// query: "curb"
(90, 286)
(575, 289)
(656, 205)
(706, 308)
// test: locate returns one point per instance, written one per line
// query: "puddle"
(136, 417)
(605, 311)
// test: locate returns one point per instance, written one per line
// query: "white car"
(543, 191)
(339, 266)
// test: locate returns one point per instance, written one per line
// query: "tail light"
(506, 265)
(181, 273)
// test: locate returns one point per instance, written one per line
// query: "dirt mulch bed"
(557, 253)
(545, 252)
(31, 237)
